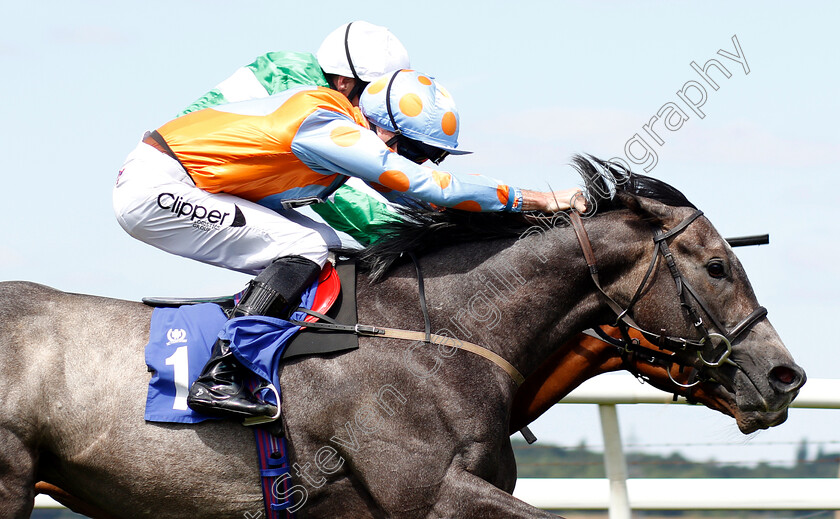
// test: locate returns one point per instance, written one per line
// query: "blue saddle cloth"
(180, 342)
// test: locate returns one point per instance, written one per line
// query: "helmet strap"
(388, 105)
(357, 90)
(347, 51)
(416, 151)
(360, 85)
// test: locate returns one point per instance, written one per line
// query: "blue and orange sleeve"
(330, 141)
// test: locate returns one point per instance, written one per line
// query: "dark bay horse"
(394, 429)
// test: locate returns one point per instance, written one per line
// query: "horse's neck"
(520, 298)
(526, 297)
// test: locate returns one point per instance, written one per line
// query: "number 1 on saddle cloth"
(181, 339)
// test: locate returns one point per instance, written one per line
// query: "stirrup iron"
(258, 420)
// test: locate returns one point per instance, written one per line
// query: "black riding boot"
(219, 390)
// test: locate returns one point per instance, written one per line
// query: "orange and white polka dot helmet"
(415, 105)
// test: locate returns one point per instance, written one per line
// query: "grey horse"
(396, 428)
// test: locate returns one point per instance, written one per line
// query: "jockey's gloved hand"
(554, 201)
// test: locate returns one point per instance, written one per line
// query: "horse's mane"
(607, 186)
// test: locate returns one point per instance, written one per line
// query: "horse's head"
(662, 268)
(689, 295)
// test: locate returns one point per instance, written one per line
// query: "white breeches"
(156, 202)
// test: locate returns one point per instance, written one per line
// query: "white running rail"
(621, 495)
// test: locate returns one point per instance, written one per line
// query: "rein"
(624, 319)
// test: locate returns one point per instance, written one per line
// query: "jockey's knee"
(310, 245)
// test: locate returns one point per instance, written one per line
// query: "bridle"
(624, 319)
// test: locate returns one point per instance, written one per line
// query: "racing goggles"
(416, 151)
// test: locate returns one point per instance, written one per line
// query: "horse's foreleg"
(17, 477)
(70, 501)
(465, 495)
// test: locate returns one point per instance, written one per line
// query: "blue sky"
(535, 82)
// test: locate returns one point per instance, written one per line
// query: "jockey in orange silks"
(220, 186)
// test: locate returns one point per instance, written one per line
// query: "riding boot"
(219, 390)
(278, 287)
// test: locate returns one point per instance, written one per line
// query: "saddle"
(334, 298)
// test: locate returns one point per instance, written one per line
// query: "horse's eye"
(716, 268)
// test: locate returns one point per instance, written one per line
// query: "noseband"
(625, 320)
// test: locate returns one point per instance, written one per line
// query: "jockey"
(216, 186)
(348, 59)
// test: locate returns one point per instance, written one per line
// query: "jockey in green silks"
(347, 60)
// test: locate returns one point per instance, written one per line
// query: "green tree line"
(551, 461)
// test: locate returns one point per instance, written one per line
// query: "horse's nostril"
(786, 376)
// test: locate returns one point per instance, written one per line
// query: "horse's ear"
(648, 209)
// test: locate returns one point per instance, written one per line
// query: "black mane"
(608, 186)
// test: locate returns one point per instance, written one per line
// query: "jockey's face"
(347, 87)
(414, 151)
(386, 136)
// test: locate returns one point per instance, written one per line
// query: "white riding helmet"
(416, 106)
(362, 51)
